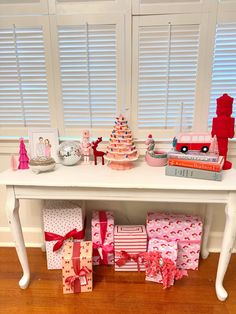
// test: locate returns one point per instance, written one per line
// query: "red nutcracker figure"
(223, 126)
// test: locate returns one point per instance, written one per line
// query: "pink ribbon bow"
(103, 251)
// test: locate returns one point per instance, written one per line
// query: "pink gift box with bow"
(167, 249)
(63, 221)
(103, 237)
(130, 243)
(77, 272)
(186, 230)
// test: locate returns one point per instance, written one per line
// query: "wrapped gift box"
(167, 249)
(77, 275)
(62, 220)
(103, 237)
(129, 242)
(186, 230)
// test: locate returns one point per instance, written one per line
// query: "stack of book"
(195, 164)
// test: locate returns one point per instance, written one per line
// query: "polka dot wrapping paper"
(60, 217)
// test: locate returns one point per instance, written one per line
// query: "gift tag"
(83, 280)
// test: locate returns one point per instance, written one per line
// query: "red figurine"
(223, 126)
(97, 153)
(23, 157)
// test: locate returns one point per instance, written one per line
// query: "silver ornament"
(69, 153)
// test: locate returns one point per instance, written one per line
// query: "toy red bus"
(193, 141)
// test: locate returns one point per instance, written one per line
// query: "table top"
(141, 176)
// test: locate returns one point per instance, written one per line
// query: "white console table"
(142, 183)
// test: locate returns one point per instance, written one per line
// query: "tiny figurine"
(97, 153)
(214, 148)
(13, 163)
(153, 157)
(223, 126)
(23, 157)
(174, 142)
(121, 151)
(86, 146)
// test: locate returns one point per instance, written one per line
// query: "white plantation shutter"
(23, 83)
(167, 61)
(88, 74)
(224, 66)
(89, 1)
(168, 1)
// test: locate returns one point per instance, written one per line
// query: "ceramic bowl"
(42, 164)
(159, 159)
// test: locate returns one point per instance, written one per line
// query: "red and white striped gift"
(129, 242)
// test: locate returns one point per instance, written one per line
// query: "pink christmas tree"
(121, 151)
(23, 157)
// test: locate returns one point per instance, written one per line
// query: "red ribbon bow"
(125, 257)
(71, 279)
(103, 251)
(50, 236)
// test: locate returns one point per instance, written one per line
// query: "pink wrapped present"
(186, 230)
(63, 220)
(167, 249)
(103, 237)
(130, 242)
(77, 275)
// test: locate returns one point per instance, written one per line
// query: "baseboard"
(34, 238)
(215, 242)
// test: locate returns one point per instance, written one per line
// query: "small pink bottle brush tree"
(23, 157)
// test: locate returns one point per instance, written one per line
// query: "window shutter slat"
(88, 74)
(168, 58)
(224, 66)
(23, 81)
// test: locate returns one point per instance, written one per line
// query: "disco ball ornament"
(69, 153)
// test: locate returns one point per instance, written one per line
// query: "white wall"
(125, 212)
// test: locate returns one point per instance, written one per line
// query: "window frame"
(127, 12)
(85, 7)
(29, 21)
(202, 6)
(76, 19)
(225, 15)
(39, 7)
(199, 124)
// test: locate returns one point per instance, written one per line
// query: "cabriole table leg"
(12, 209)
(206, 230)
(227, 246)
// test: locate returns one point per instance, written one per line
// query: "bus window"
(185, 139)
